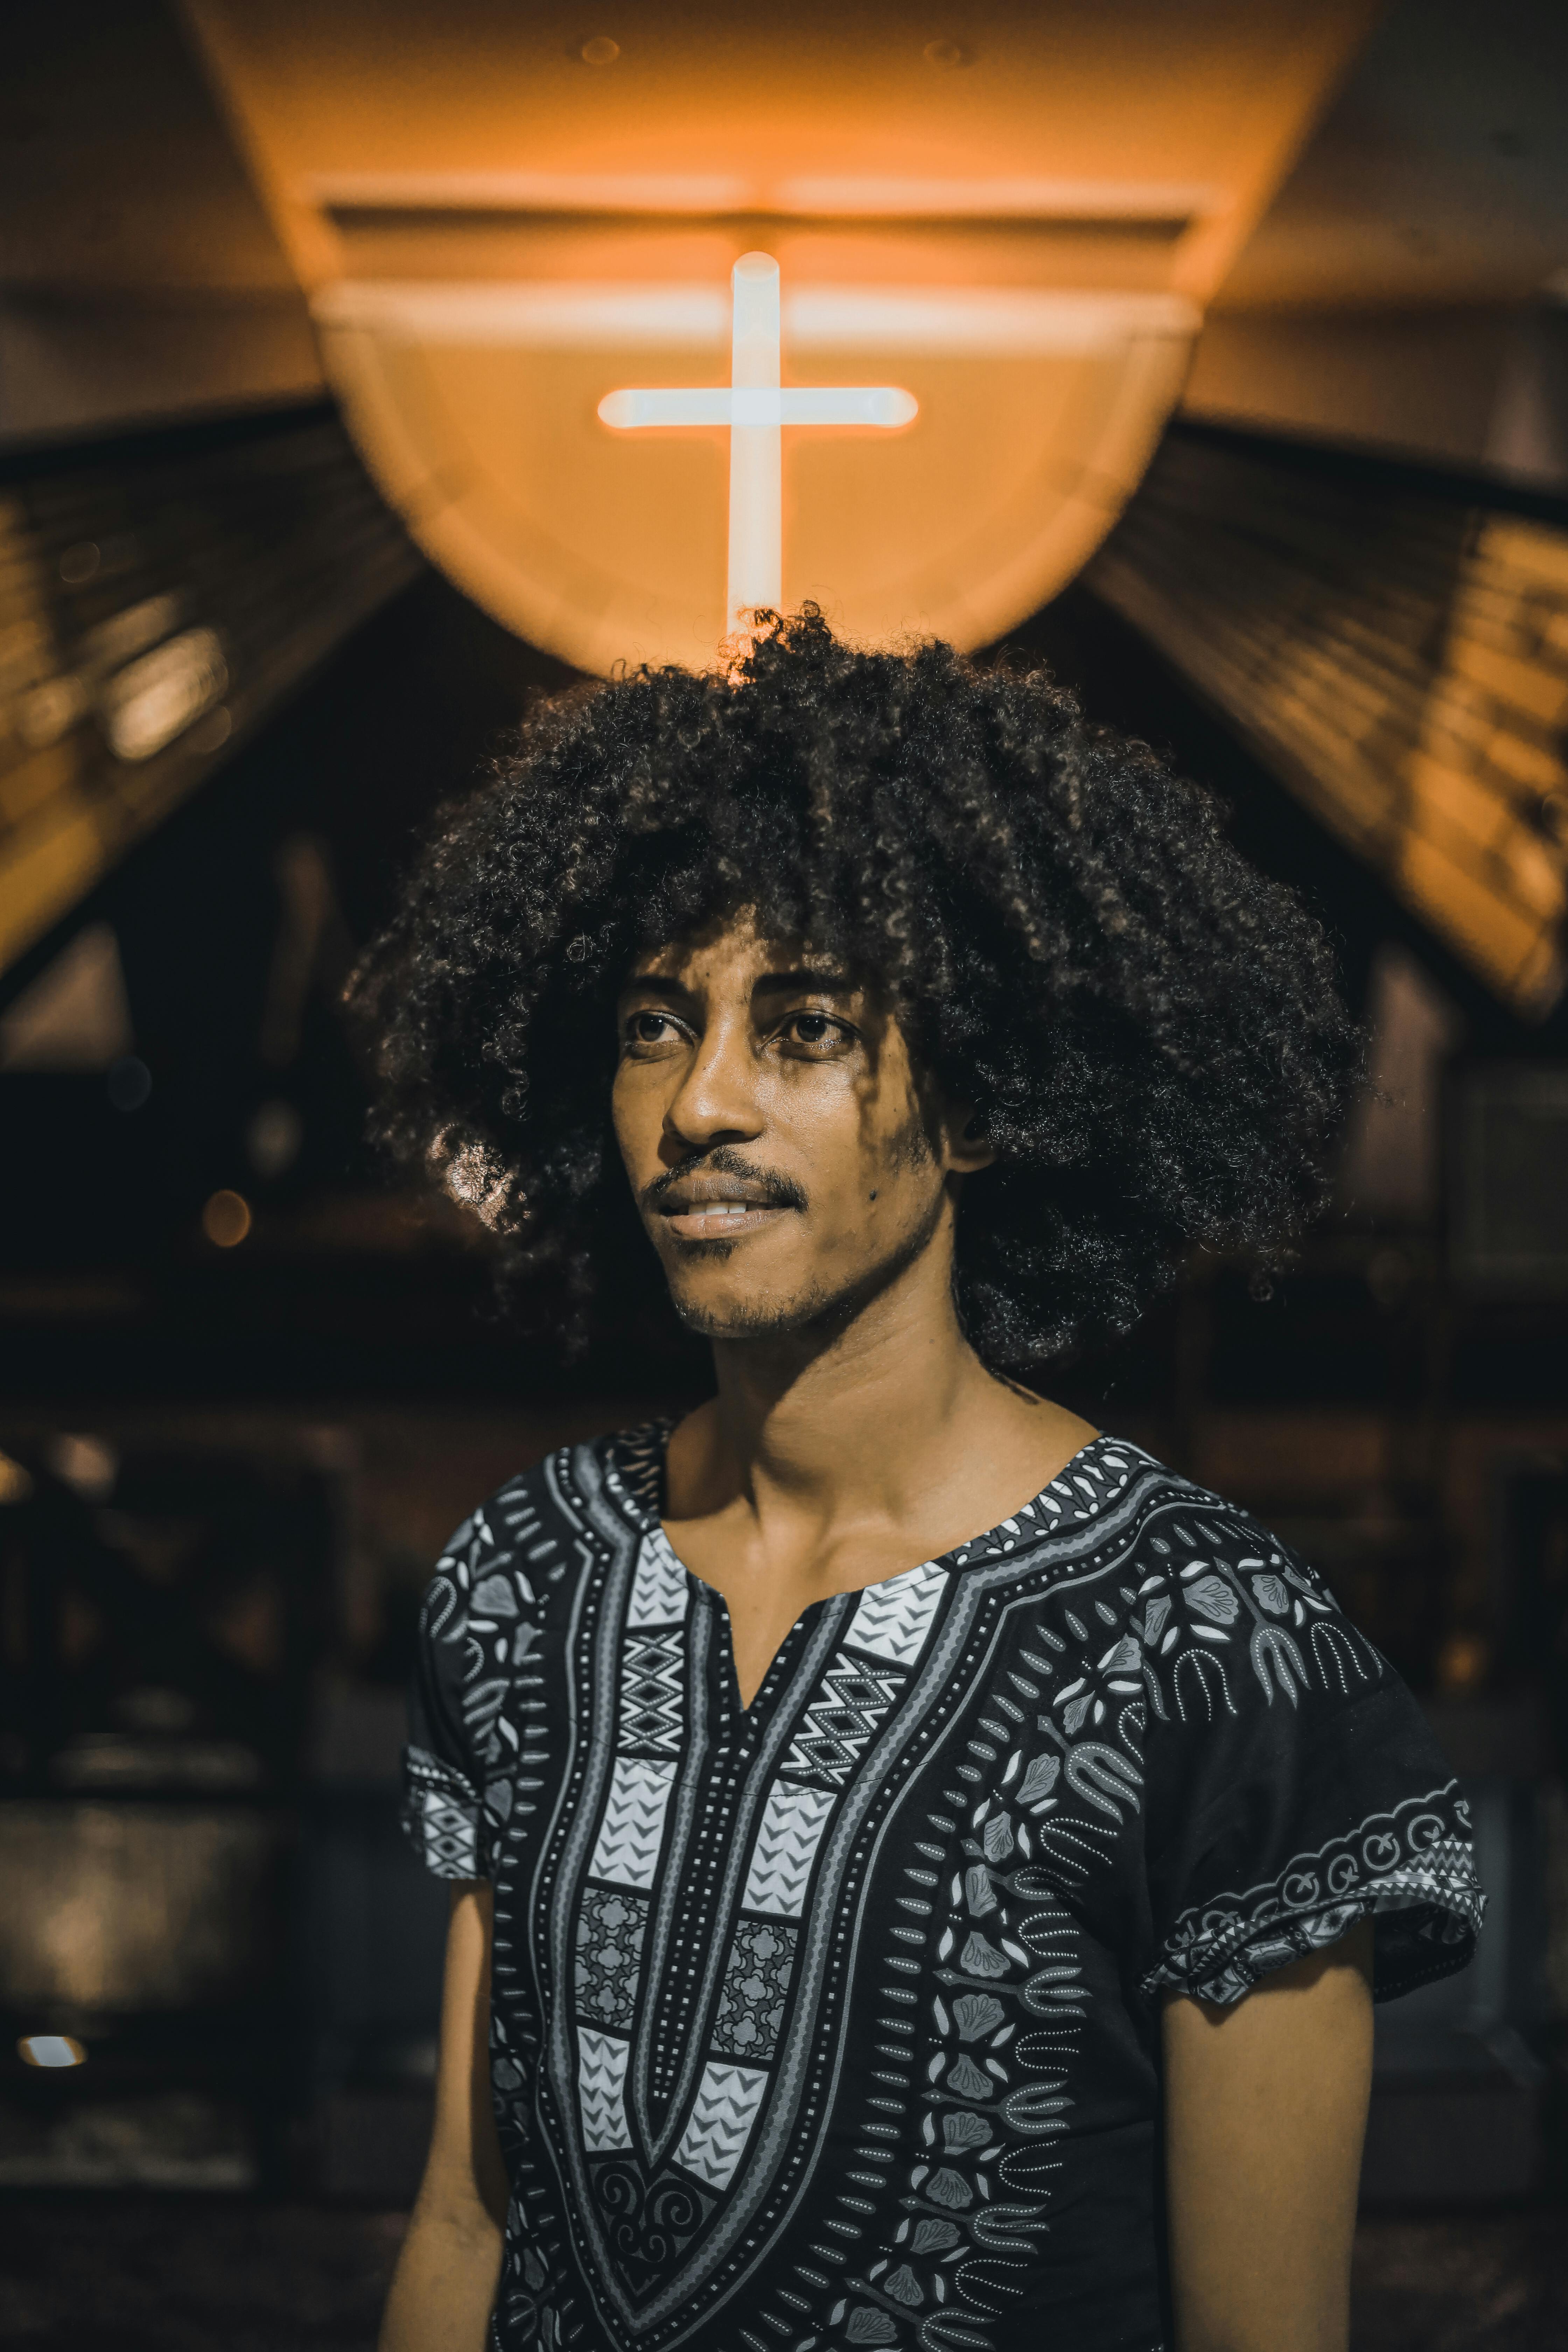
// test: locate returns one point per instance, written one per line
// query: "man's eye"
(650, 1029)
(811, 1029)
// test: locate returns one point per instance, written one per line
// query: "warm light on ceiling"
(754, 407)
(979, 321)
(716, 195)
(499, 215)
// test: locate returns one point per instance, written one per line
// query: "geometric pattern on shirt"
(722, 2117)
(893, 1619)
(651, 1693)
(610, 1925)
(441, 1814)
(1408, 1859)
(787, 1838)
(632, 1829)
(1009, 1807)
(601, 2090)
(660, 1589)
(840, 1722)
(756, 1985)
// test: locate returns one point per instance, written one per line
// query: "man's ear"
(968, 1148)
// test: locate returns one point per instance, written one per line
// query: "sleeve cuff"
(1413, 1870)
(443, 1816)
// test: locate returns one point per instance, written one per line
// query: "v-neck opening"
(647, 1492)
(750, 1711)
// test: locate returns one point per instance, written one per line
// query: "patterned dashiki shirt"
(833, 2021)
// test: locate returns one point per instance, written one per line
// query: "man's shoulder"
(1116, 1490)
(1168, 1590)
(521, 1542)
(1139, 1512)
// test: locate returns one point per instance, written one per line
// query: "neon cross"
(754, 407)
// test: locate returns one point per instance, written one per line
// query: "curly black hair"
(1150, 1027)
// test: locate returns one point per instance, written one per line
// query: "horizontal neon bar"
(576, 315)
(880, 404)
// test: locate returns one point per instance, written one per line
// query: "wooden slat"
(1399, 658)
(269, 536)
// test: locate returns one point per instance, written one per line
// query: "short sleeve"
(1293, 1785)
(453, 1702)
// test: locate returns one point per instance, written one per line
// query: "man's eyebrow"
(661, 984)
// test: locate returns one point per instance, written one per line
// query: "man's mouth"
(719, 1208)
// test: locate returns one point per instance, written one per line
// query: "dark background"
(248, 1385)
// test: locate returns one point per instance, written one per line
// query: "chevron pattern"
(626, 1849)
(787, 1838)
(722, 2117)
(601, 2090)
(893, 1620)
(840, 1722)
(659, 1589)
(651, 1693)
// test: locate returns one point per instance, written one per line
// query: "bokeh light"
(16, 1483)
(226, 1218)
(51, 2050)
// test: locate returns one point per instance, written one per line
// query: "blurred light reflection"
(226, 1218)
(51, 2050)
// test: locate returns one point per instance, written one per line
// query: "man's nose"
(717, 1101)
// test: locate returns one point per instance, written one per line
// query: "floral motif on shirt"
(756, 1982)
(610, 1924)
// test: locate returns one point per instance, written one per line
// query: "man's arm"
(446, 2278)
(1265, 2108)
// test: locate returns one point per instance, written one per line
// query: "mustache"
(782, 1192)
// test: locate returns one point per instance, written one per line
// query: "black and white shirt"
(832, 2020)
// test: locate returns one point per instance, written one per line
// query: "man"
(916, 1860)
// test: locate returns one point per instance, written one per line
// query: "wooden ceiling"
(1435, 179)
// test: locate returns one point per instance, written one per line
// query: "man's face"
(778, 1143)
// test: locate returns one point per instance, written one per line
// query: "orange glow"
(15, 1483)
(1030, 208)
(226, 1218)
(1462, 1662)
(983, 321)
(718, 195)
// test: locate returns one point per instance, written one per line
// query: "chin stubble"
(820, 1306)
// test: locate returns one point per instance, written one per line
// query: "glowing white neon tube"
(755, 407)
(871, 404)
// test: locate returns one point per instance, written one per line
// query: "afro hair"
(1150, 1027)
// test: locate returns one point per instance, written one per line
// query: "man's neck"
(833, 1459)
(882, 1417)
(809, 1412)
